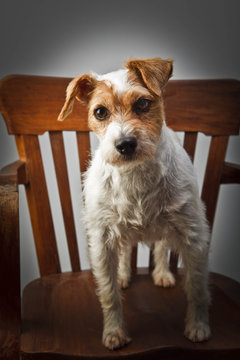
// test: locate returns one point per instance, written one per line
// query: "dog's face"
(125, 108)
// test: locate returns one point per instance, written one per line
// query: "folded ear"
(79, 88)
(154, 72)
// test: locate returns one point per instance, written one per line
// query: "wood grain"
(151, 259)
(134, 259)
(61, 314)
(14, 173)
(84, 150)
(59, 157)
(154, 318)
(208, 106)
(230, 173)
(190, 141)
(173, 262)
(31, 104)
(10, 302)
(20, 147)
(39, 208)
(213, 175)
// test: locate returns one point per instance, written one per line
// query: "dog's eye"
(142, 105)
(101, 113)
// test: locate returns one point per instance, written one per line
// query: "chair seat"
(62, 319)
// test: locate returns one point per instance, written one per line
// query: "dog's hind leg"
(196, 287)
(162, 276)
(124, 267)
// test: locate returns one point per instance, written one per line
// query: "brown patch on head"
(152, 73)
(102, 96)
(129, 97)
(144, 126)
(122, 107)
(149, 122)
(146, 80)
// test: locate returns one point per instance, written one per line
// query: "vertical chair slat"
(83, 142)
(151, 259)
(173, 261)
(39, 207)
(213, 174)
(20, 147)
(59, 157)
(190, 140)
(134, 259)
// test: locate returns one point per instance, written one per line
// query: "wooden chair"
(59, 316)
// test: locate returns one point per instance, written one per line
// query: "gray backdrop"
(65, 38)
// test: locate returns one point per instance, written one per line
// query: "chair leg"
(10, 308)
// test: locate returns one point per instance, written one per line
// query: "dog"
(140, 187)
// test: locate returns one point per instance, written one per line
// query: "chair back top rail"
(31, 104)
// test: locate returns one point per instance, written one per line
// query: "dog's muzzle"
(126, 145)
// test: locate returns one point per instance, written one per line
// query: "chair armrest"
(230, 173)
(10, 304)
(14, 173)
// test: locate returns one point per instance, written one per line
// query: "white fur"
(167, 183)
(116, 78)
(153, 201)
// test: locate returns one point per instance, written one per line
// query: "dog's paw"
(124, 283)
(198, 332)
(164, 279)
(116, 339)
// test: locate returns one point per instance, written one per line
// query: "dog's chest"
(134, 198)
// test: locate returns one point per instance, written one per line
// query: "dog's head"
(125, 108)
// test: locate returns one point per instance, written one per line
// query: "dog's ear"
(154, 72)
(79, 88)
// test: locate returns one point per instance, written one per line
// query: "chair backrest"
(30, 106)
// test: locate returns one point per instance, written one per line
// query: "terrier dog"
(140, 186)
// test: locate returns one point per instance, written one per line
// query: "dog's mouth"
(130, 157)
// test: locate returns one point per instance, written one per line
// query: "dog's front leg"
(124, 270)
(196, 286)
(104, 260)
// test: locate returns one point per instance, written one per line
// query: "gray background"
(66, 38)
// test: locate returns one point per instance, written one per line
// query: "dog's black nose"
(126, 145)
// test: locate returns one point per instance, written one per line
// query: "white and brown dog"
(140, 186)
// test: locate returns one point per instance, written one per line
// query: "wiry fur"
(153, 198)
